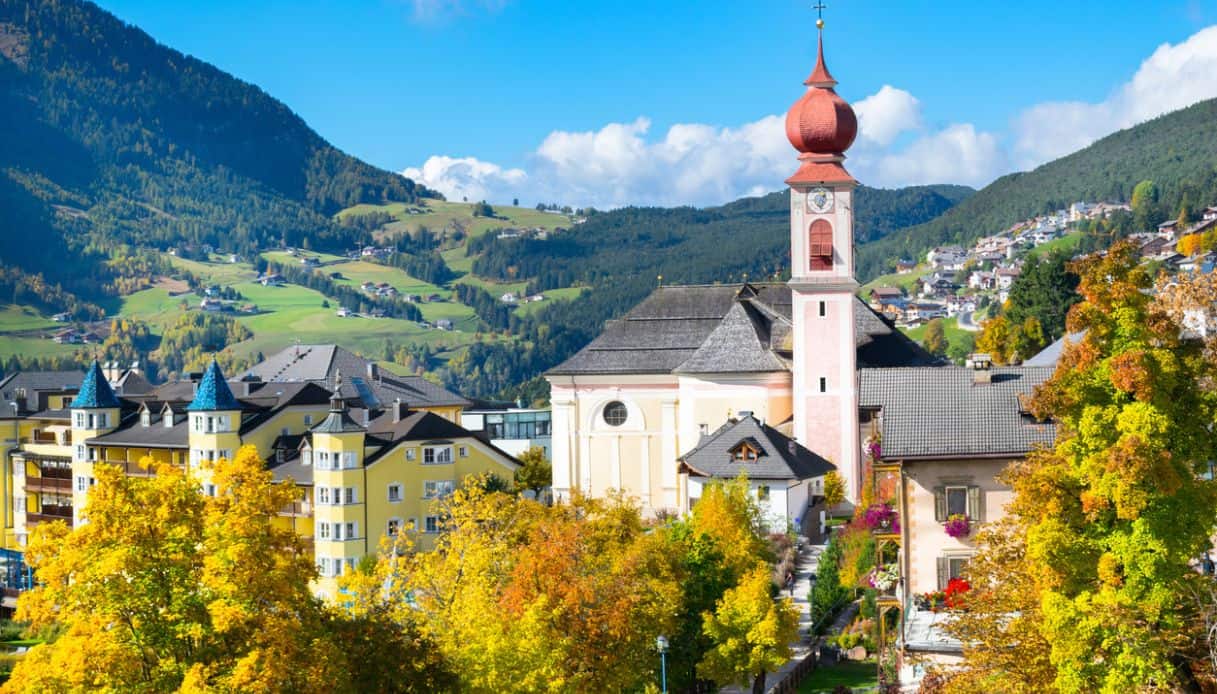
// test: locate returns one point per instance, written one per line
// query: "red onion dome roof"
(821, 122)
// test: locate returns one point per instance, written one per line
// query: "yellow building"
(364, 469)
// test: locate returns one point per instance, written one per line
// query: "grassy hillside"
(1177, 151)
(113, 144)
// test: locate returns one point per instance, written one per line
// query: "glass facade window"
(518, 425)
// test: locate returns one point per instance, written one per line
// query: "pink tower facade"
(822, 126)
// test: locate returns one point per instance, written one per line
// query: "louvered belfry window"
(820, 245)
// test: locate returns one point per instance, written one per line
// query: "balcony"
(297, 509)
(48, 514)
(58, 485)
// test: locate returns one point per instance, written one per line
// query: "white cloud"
(699, 164)
(1173, 77)
(467, 177)
(887, 113)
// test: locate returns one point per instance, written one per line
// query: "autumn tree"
(163, 588)
(522, 597)
(994, 338)
(834, 489)
(1093, 566)
(935, 341)
(751, 632)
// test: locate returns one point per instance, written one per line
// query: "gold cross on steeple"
(819, 7)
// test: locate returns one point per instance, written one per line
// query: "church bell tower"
(822, 126)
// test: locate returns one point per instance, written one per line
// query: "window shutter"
(940, 504)
(944, 572)
(974, 510)
(820, 245)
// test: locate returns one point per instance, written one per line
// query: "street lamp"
(661, 644)
(811, 605)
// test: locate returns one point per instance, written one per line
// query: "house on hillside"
(443, 324)
(904, 266)
(938, 284)
(509, 298)
(273, 279)
(210, 304)
(947, 258)
(1005, 277)
(883, 295)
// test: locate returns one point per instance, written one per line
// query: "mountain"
(1177, 151)
(110, 141)
(620, 255)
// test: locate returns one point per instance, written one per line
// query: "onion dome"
(821, 122)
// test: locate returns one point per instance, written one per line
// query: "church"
(662, 381)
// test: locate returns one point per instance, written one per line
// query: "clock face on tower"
(819, 200)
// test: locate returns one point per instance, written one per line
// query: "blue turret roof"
(95, 390)
(214, 394)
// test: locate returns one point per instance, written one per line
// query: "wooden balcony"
(49, 514)
(297, 509)
(58, 485)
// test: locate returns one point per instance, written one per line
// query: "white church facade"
(689, 359)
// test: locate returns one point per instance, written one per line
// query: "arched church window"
(820, 245)
(615, 413)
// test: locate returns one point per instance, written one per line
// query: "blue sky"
(666, 102)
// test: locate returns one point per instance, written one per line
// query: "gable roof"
(940, 413)
(95, 390)
(723, 329)
(780, 457)
(213, 394)
(323, 363)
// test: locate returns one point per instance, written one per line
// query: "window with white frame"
(964, 500)
(308, 420)
(463, 451)
(323, 496)
(81, 483)
(323, 530)
(350, 497)
(19, 504)
(78, 420)
(410, 454)
(433, 489)
(437, 455)
(393, 527)
(349, 460)
(395, 492)
(351, 531)
(306, 457)
(323, 460)
(209, 489)
(431, 524)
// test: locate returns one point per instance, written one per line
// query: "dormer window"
(145, 418)
(745, 452)
(820, 245)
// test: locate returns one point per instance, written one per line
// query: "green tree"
(1095, 556)
(1044, 290)
(536, 473)
(935, 341)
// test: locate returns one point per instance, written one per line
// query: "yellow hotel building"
(365, 467)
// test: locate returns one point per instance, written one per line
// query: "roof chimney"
(373, 372)
(744, 414)
(982, 365)
(398, 406)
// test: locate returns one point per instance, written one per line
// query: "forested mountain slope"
(109, 140)
(1177, 151)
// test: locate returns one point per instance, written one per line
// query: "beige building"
(945, 435)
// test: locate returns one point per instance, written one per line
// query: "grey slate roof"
(938, 412)
(35, 386)
(723, 329)
(780, 458)
(1051, 354)
(322, 363)
(155, 435)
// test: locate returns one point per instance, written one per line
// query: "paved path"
(967, 321)
(806, 563)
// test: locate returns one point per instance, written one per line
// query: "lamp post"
(811, 607)
(661, 644)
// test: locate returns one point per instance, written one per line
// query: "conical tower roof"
(213, 395)
(95, 390)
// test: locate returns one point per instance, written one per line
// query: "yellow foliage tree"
(519, 597)
(834, 489)
(163, 589)
(729, 514)
(751, 633)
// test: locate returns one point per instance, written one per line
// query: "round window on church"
(615, 414)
